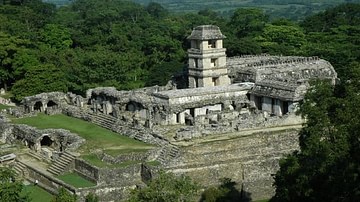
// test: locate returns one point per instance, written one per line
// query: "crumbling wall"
(249, 160)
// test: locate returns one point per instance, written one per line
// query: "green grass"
(4, 107)
(96, 137)
(37, 194)
(94, 160)
(153, 163)
(76, 180)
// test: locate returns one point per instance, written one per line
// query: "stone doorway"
(46, 141)
(38, 106)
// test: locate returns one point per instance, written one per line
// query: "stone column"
(277, 107)
(267, 104)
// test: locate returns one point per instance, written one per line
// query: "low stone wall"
(124, 176)
(106, 193)
(124, 157)
(87, 170)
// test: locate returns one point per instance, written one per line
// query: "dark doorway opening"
(51, 104)
(38, 105)
(46, 141)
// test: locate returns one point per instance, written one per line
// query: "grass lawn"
(76, 180)
(37, 194)
(96, 136)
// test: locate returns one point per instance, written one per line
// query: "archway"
(51, 104)
(134, 106)
(38, 106)
(46, 141)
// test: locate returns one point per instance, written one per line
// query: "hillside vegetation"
(291, 9)
(117, 43)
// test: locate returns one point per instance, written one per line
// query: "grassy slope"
(96, 137)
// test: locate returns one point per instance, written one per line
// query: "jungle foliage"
(124, 44)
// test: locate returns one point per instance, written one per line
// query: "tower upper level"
(207, 58)
(206, 37)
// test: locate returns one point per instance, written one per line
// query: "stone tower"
(207, 58)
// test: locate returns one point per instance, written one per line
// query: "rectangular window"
(196, 63)
(215, 81)
(213, 62)
(212, 44)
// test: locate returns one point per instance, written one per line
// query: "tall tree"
(167, 188)
(327, 168)
(10, 189)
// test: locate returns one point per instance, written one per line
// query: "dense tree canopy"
(119, 43)
(328, 166)
(167, 187)
(10, 189)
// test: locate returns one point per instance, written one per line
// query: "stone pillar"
(173, 119)
(267, 104)
(192, 82)
(252, 101)
(277, 107)
(181, 118)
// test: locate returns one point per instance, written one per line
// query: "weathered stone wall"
(85, 169)
(124, 176)
(124, 157)
(249, 160)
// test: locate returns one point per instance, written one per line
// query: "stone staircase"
(20, 169)
(60, 165)
(35, 155)
(103, 120)
(167, 154)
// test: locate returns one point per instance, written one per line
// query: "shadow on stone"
(228, 191)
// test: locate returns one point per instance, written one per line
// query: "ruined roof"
(203, 91)
(281, 90)
(280, 68)
(206, 32)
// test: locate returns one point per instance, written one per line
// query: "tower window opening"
(212, 44)
(196, 63)
(213, 62)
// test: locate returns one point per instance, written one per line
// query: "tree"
(247, 22)
(64, 196)
(226, 192)
(9, 47)
(39, 79)
(91, 197)
(167, 188)
(327, 167)
(282, 39)
(10, 189)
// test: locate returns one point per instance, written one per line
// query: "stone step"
(35, 155)
(61, 164)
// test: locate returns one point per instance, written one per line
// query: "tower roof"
(206, 32)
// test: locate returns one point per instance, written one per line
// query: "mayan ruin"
(236, 118)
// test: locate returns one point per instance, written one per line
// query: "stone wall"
(123, 176)
(46, 181)
(87, 170)
(138, 156)
(248, 160)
